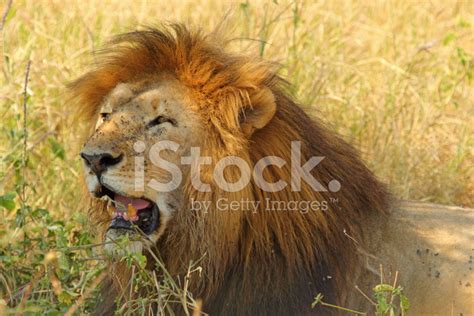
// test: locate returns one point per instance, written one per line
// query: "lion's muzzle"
(98, 163)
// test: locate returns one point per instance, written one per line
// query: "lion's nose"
(100, 162)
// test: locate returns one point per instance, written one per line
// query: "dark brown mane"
(264, 262)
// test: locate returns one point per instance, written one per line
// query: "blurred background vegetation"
(395, 78)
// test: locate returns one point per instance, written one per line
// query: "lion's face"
(121, 157)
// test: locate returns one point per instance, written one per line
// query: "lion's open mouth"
(133, 213)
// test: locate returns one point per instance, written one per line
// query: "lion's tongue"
(124, 201)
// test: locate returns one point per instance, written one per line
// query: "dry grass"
(395, 78)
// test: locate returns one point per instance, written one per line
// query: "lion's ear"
(259, 113)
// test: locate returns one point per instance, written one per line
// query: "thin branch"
(25, 133)
(86, 294)
(394, 285)
(365, 295)
(381, 274)
(72, 248)
(29, 287)
(5, 14)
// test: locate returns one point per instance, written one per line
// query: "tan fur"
(431, 247)
(254, 263)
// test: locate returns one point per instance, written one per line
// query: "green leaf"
(383, 288)
(463, 23)
(397, 291)
(57, 149)
(66, 297)
(404, 303)
(7, 201)
(21, 215)
(64, 263)
(10, 14)
(40, 213)
(244, 5)
(141, 260)
(449, 38)
(464, 58)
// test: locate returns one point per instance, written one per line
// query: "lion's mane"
(264, 262)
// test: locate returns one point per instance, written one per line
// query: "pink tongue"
(124, 201)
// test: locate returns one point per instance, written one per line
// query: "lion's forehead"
(130, 107)
(161, 97)
(122, 93)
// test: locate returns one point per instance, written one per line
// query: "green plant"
(385, 296)
(389, 300)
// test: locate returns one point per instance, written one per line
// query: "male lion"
(182, 87)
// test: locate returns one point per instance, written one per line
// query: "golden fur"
(269, 261)
(254, 263)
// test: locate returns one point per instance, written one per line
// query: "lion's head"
(139, 117)
(133, 121)
(181, 87)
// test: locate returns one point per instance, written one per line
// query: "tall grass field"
(394, 78)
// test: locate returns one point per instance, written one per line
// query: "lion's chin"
(120, 242)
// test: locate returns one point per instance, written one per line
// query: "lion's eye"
(160, 120)
(104, 116)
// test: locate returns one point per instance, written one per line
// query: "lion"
(174, 85)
